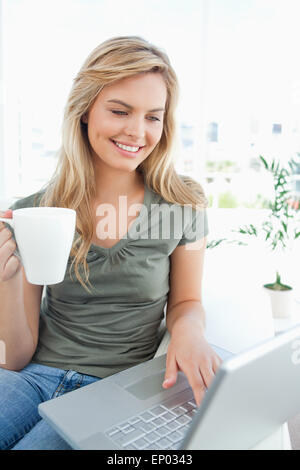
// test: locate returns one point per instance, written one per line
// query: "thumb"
(171, 373)
(7, 214)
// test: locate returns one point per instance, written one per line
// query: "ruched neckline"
(109, 251)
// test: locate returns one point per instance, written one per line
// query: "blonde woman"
(115, 169)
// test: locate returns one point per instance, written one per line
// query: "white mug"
(44, 237)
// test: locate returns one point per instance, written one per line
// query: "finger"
(216, 364)
(6, 251)
(7, 214)
(207, 374)
(171, 371)
(12, 266)
(2, 223)
(5, 235)
(197, 384)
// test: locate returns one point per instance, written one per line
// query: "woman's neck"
(112, 183)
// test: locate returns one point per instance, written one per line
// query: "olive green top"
(116, 325)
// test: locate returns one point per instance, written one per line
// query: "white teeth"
(126, 147)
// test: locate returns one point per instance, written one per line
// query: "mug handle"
(7, 221)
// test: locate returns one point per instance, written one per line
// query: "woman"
(118, 131)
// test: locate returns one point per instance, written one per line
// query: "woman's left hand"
(190, 353)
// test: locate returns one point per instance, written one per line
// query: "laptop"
(252, 394)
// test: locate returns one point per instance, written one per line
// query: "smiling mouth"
(127, 148)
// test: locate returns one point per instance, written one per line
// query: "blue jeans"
(21, 426)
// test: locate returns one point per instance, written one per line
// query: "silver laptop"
(251, 395)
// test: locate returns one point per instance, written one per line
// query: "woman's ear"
(84, 118)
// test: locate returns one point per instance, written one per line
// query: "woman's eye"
(119, 113)
(153, 118)
(124, 113)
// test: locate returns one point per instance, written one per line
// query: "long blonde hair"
(73, 183)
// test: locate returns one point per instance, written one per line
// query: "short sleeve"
(30, 201)
(195, 225)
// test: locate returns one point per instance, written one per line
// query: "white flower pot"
(281, 302)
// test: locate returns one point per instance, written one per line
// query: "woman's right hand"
(9, 264)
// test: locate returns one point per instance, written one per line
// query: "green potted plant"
(278, 230)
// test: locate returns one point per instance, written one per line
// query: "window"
(252, 95)
(212, 134)
(54, 38)
(277, 128)
(237, 66)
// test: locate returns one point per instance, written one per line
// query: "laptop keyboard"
(162, 426)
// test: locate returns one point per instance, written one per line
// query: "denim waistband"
(54, 381)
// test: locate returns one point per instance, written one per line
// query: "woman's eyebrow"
(130, 107)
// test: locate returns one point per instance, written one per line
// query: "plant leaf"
(264, 162)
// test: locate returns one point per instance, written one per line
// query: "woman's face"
(125, 122)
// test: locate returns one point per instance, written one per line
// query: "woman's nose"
(135, 127)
